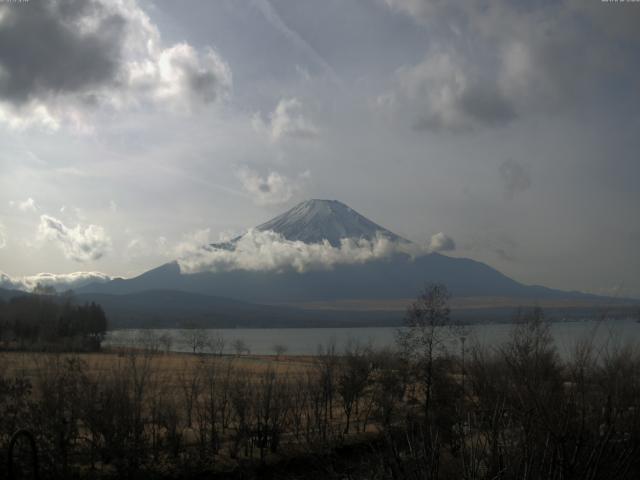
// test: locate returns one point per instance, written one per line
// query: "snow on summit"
(316, 220)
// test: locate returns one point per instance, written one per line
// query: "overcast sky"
(131, 128)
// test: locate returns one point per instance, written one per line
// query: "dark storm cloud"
(487, 105)
(63, 59)
(515, 178)
(491, 63)
(45, 49)
(471, 108)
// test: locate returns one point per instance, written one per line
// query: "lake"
(305, 341)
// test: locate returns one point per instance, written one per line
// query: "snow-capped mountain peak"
(316, 220)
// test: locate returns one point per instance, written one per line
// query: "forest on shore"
(45, 320)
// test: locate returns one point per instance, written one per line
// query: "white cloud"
(114, 58)
(60, 281)
(270, 251)
(443, 93)
(79, 243)
(192, 242)
(179, 77)
(28, 205)
(271, 189)
(288, 120)
(441, 243)
(3, 236)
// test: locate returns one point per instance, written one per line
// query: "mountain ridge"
(394, 276)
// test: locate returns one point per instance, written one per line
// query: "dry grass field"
(30, 363)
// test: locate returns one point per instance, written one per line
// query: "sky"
(133, 129)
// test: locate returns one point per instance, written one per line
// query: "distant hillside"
(175, 309)
(396, 277)
(8, 294)
(206, 296)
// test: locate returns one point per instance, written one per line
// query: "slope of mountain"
(397, 276)
(6, 294)
(316, 220)
(174, 309)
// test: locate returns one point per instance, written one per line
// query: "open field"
(28, 364)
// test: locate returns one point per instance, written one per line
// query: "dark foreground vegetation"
(437, 408)
(47, 321)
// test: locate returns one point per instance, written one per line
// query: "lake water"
(305, 341)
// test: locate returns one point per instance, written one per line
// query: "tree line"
(45, 320)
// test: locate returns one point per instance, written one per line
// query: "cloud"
(270, 251)
(447, 97)
(271, 189)
(515, 178)
(81, 244)
(441, 243)
(140, 247)
(3, 236)
(490, 63)
(286, 121)
(60, 281)
(29, 205)
(192, 242)
(503, 246)
(180, 77)
(60, 59)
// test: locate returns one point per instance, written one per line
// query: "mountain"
(394, 276)
(7, 294)
(316, 220)
(174, 309)
(398, 277)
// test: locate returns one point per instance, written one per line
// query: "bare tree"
(425, 334)
(327, 365)
(190, 380)
(280, 349)
(240, 347)
(217, 343)
(166, 341)
(353, 379)
(148, 340)
(196, 339)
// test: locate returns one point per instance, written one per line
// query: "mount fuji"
(316, 220)
(387, 280)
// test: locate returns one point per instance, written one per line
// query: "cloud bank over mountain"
(59, 281)
(270, 251)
